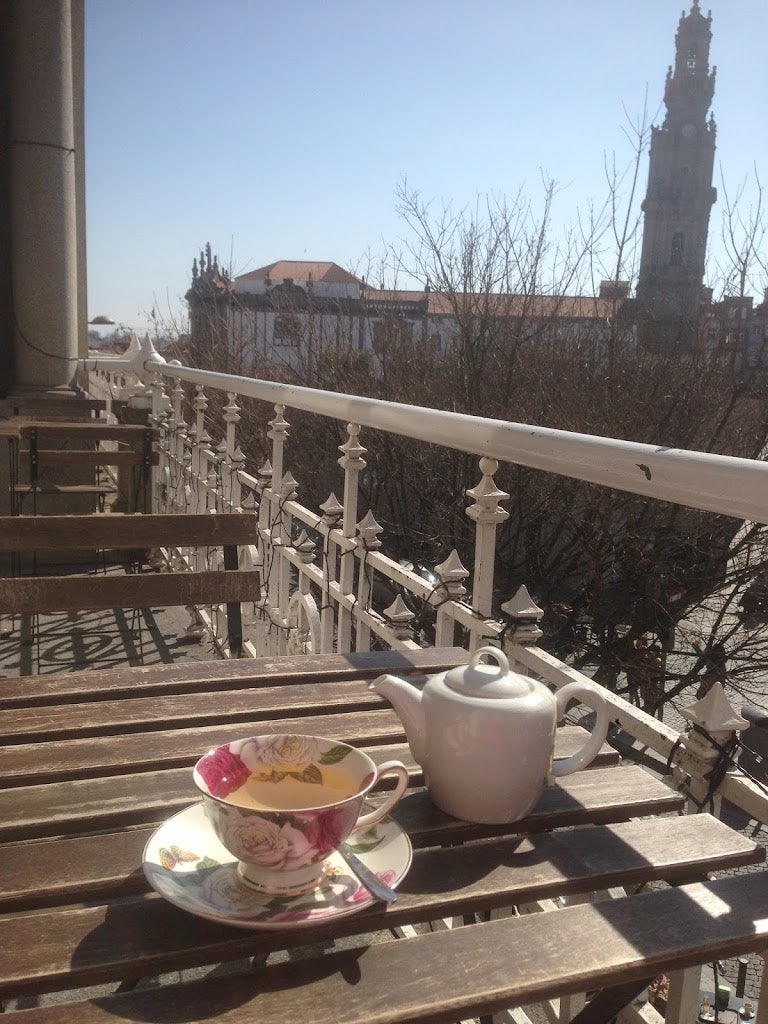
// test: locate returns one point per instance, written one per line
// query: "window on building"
(390, 330)
(691, 59)
(287, 329)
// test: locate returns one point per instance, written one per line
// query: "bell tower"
(680, 194)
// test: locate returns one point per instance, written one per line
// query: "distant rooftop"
(302, 270)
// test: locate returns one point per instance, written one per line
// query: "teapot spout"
(406, 700)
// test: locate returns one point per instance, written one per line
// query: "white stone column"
(43, 199)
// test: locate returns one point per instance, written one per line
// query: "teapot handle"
(590, 695)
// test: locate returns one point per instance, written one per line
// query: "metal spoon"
(371, 881)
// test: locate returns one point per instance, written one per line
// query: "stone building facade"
(292, 313)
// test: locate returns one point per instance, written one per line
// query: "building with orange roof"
(292, 311)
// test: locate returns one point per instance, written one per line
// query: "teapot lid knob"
(483, 680)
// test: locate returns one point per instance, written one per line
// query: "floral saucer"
(185, 863)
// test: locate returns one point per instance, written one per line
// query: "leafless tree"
(650, 595)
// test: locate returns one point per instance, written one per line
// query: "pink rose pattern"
(228, 767)
(287, 841)
(222, 772)
(326, 829)
(277, 842)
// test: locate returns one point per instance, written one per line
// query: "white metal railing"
(319, 568)
(714, 483)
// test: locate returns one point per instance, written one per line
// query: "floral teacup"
(283, 803)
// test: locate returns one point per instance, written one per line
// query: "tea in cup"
(282, 803)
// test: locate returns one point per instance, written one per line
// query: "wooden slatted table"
(90, 763)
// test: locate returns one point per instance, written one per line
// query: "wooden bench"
(100, 532)
(45, 464)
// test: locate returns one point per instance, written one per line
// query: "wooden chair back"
(44, 535)
(54, 407)
(49, 451)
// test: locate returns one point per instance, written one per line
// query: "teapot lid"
(481, 680)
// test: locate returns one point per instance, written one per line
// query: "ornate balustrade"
(321, 567)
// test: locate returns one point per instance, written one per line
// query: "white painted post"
(186, 472)
(264, 483)
(237, 464)
(178, 429)
(487, 513)
(713, 724)
(683, 998)
(400, 617)
(333, 512)
(161, 471)
(368, 531)
(452, 575)
(353, 464)
(523, 614)
(288, 492)
(199, 465)
(277, 434)
(231, 414)
(220, 461)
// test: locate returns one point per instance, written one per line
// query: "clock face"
(689, 132)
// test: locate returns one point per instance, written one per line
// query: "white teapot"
(485, 735)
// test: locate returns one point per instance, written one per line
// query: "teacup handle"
(590, 695)
(387, 768)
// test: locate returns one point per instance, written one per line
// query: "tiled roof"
(567, 307)
(302, 270)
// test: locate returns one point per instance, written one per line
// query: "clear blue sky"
(281, 129)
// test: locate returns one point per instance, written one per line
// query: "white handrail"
(714, 483)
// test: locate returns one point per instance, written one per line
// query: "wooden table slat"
(148, 680)
(586, 946)
(89, 805)
(105, 718)
(172, 748)
(41, 594)
(43, 875)
(89, 430)
(95, 457)
(154, 741)
(178, 711)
